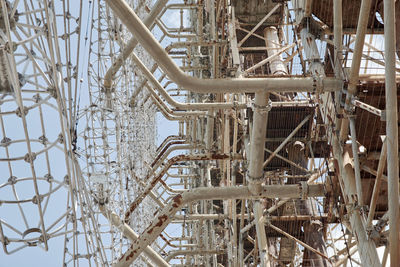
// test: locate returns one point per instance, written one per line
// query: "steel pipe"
(173, 115)
(235, 85)
(128, 232)
(257, 144)
(156, 178)
(209, 193)
(209, 130)
(359, 44)
(307, 8)
(366, 246)
(126, 52)
(356, 61)
(377, 184)
(392, 135)
(171, 101)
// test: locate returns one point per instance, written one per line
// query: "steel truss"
(283, 149)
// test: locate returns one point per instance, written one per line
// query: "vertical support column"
(311, 51)
(354, 146)
(261, 235)
(392, 132)
(366, 246)
(272, 42)
(338, 46)
(257, 144)
(256, 173)
(356, 61)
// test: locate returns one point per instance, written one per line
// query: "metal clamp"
(262, 109)
(255, 179)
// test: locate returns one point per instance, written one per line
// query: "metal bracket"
(383, 115)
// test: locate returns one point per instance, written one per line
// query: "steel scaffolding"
(276, 123)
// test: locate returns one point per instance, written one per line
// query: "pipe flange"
(262, 109)
(259, 179)
(304, 190)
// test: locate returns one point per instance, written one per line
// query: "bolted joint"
(30, 157)
(262, 109)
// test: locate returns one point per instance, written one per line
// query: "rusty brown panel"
(323, 9)
(252, 11)
(370, 127)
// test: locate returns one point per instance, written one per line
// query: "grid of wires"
(39, 93)
(115, 142)
(118, 138)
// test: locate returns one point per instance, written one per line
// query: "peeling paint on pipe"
(208, 193)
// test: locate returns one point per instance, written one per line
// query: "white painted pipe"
(209, 193)
(392, 135)
(356, 61)
(210, 130)
(338, 36)
(308, 7)
(194, 84)
(171, 101)
(366, 246)
(255, 174)
(272, 42)
(312, 54)
(257, 143)
(377, 184)
(128, 232)
(149, 21)
(359, 45)
(356, 161)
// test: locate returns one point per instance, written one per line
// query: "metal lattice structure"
(200, 133)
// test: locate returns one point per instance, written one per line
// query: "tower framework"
(200, 132)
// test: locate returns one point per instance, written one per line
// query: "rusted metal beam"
(356, 61)
(210, 193)
(128, 232)
(156, 178)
